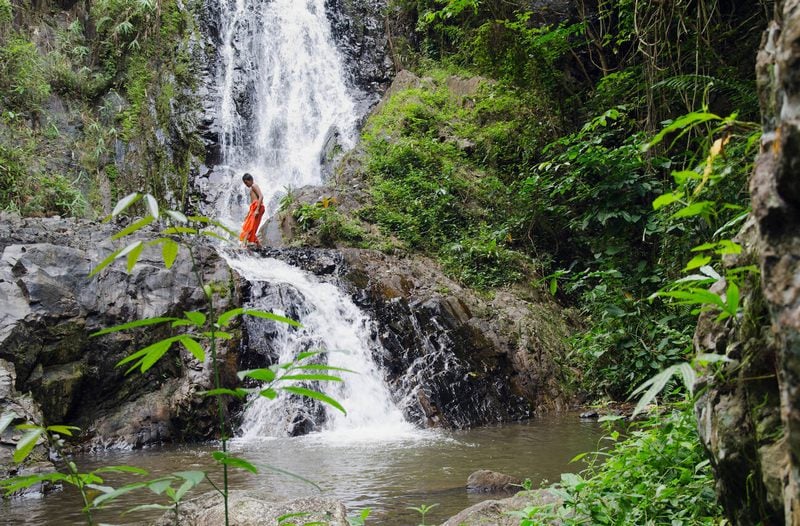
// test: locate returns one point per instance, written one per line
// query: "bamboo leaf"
(225, 458)
(106, 262)
(27, 443)
(6, 420)
(169, 252)
(226, 317)
(697, 262)
(688, 375)
(198, 318)
(132, 325)
(63, 430)
(193, 347)
(133, 255)
(316, 395)
(262, 375)
(311, 378)
(130, 229)
(125, 202)
(152, 205)
(270, 316)
(177, 216)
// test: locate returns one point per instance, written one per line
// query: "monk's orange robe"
(251, 223)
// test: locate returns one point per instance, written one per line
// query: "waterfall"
(283, 98)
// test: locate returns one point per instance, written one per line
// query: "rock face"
(50, 307)
(251, 510)
(750, 417)
(451, 358)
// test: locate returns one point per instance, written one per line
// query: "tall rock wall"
(749, 417)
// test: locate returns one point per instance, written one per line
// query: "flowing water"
(283, 96)
(385, 475)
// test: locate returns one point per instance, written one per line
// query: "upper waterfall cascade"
(283, 96)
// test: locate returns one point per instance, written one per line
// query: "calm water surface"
(385, 474)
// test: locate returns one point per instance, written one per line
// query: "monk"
(256, 212)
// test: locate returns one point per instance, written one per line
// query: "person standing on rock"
(254, 215)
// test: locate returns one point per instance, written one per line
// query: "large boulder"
(50, 306)
(487, 481)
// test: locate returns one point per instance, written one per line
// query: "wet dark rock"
(587, 415)
(486, 481)
(50, 307)
(451, 358)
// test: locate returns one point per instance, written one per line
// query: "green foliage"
(23, 81)
(329, 224)
(423, 510)
(6, 12)
(656, 474)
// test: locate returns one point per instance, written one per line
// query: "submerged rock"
(249, 509)
(486, 481)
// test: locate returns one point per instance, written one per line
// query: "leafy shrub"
(330, 225)
(23, 85)
(658, 474)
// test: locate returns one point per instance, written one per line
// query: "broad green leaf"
(693, 209)
(262, 375)
(665, 200)
(209, 233)
(704, 246)
(226, 317)
(681, 123)
(726, 246)
(283, 518)
(132, 325)
(150, 354)
(270, 316)
(196, 477)
(198, 318)
(133, 255)
(182, 323)
(706, 358)
(152, 205)
(169, 252)
(316, 395)
(26, 481)
(177, 216)
(6, 420)
(159, 486)
(27, 443)
(109, 496)
(63, 430)
(130, 229)
(697, 262)
(710, 272)
(125, 202)
(270, 393)
(193, 347)
(311, 378)
(225, 458)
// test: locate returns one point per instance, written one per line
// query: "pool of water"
(386, 473)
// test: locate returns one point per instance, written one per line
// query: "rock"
(485, 481)
(452, 358)
(749, 414)
(50, 307)
(592, 414)
(496, 512)
(248, 509)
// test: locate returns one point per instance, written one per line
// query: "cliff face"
(749, 418)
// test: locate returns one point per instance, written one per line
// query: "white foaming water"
(333, 323)
(283, 94)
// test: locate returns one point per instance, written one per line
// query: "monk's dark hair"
(247, 177)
